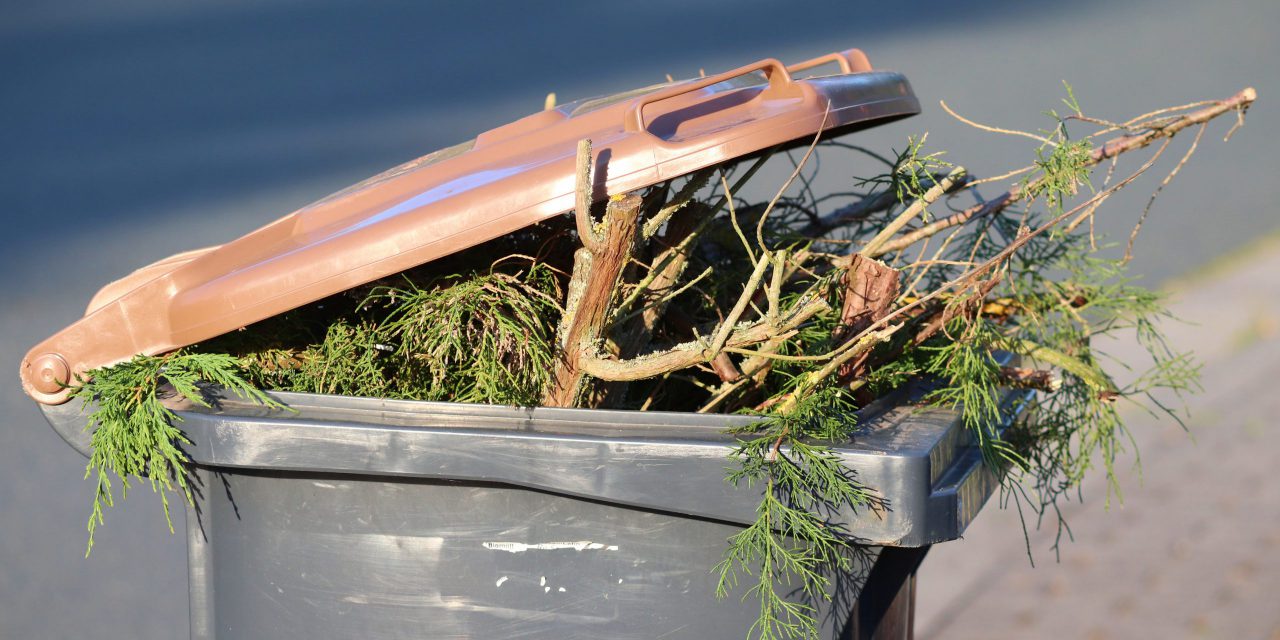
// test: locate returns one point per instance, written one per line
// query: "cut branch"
(1114, 147)
(597, 271)
(585, 174)
(993, 206)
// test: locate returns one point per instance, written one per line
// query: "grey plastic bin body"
(372, 519)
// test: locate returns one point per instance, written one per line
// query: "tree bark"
(870, 289)
(596, 273)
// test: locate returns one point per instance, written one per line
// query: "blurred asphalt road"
(132, 130)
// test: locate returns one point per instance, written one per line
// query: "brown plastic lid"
(506, 179)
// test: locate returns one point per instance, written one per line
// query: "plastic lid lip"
(434, 206)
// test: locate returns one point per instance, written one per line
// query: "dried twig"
(917, 208)
(678, 202)
(1011, 132)
(698, 352)
(871, 204)
(1110, 149)
(1133, 235)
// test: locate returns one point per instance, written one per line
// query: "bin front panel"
(310, 556)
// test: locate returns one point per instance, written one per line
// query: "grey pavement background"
(1193, 551)
(131, 130)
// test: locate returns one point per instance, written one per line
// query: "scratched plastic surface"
(306, 556)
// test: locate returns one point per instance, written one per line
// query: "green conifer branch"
(791, 548)
(135, 434)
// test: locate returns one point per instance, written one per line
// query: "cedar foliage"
(478, 337)
(137, 435)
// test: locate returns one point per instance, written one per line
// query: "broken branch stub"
(584, 173)
(870, 290)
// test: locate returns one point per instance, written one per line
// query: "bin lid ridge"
(505, 179)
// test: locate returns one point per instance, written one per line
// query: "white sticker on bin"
(520, 547)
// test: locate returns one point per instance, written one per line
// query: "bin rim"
(922, 461)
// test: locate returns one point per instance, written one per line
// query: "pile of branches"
(686, 296)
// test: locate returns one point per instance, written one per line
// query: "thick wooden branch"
(915, 210)
(596, 274)
(722, 364)
(990, 207)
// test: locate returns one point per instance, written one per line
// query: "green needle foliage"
(484, 339)
(136, 434)
(791, 550)
(1068, 312)
(969, 380)
(480, 338)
